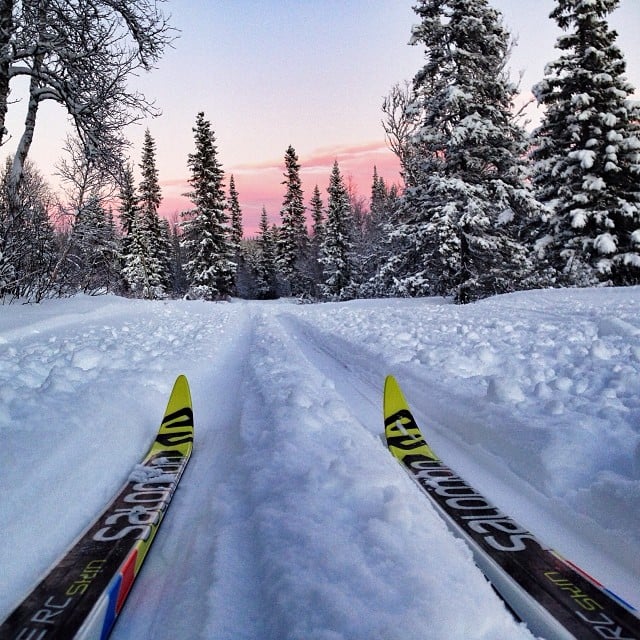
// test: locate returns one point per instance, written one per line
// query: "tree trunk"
(6, 31)
(463, 293)
(20, 157)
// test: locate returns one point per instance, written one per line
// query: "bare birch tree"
(399, 123)
(80, 54)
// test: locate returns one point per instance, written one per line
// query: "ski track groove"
(237, 599)
(209, 525)
(350, 402)
(352, 378)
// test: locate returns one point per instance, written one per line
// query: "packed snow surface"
(292, 520)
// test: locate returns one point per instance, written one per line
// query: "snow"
(580, 99)
(605, 244)
(593, 183)
(292, 520)
(586, 157)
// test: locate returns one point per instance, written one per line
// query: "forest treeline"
(482, 206)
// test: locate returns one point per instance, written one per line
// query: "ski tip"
(180, 394)
(176, 429)
(403, 435)
(388, 381)
(181, 391)
(180, 397)
(393, 398)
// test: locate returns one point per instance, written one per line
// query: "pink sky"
(261, 185)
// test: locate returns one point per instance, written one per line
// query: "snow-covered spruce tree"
(317, 236)
(135, 270)
(361, 249)
(457, 232)
(293, 238)
(235, 235)
(266, 277)
(373, 233)
(235, 212)
(94, 249)
(128, 213)
(147, 271)
(378, 212)
(587, 153)
(317, 214)
(179, 284)
(128, 208)
(166, 253)
(337, 246)
(210, 268)
(378, 194)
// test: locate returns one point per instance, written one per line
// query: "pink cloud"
(260, 184)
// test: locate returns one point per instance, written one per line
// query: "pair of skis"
(556, 599)
(83, 593)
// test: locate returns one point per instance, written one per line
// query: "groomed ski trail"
(291, 537)
(292, 519)
(202, 581)
(337, 529)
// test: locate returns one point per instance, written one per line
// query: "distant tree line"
(483, 208)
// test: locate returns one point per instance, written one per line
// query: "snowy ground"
(292, 520)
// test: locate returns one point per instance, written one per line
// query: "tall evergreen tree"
(210, 269)
(293, 237)
(149, 189)
(317, 214)
(140, 280)
(317, 238)
(152, 246)
(378, 211)
(337, 246)
(128, 201)
(165, 252)
(179, 284)
(373, 249)
(468, 195)
(587, 152)
(128, 213)
(235, 235)
(266, 280)
(235, 212)
(378, 194)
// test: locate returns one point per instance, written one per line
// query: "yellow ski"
(553, 596)
(83, 593)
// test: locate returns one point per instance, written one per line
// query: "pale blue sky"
(310, 73)
(313, 73)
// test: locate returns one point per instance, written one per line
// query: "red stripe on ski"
(128, 576)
